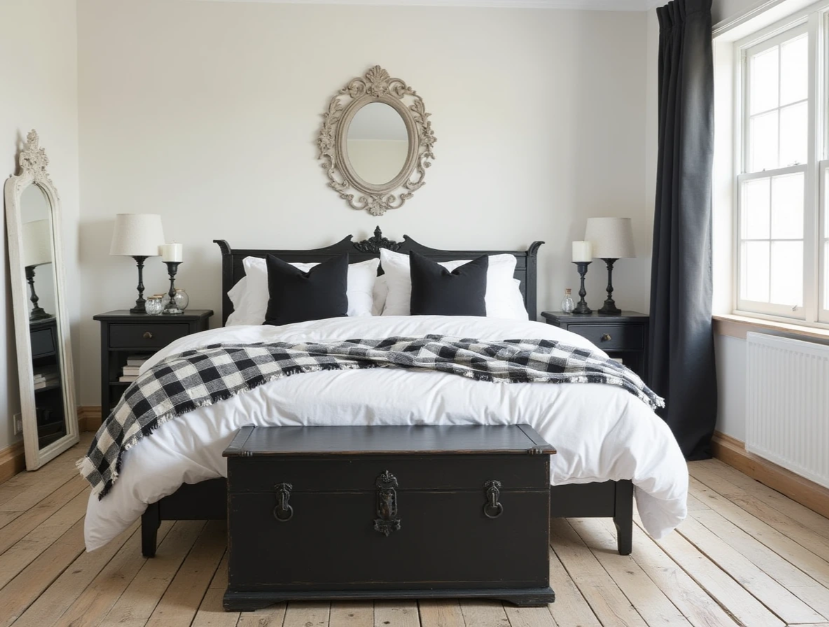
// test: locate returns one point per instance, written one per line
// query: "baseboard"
(806, 492)
(12, 461)
(89, 418)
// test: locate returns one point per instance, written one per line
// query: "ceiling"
(584, 5)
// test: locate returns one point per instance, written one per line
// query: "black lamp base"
(172, 309)
(37, 312)
(609, 308)
(139, 302)
(581, 307)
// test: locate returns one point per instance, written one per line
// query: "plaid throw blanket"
(204, 376)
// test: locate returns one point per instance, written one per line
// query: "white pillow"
(381, 290)
(503, 294)
(250, 294)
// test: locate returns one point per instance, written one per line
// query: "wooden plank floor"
(747, 555)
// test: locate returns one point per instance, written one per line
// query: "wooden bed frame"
(208, 500)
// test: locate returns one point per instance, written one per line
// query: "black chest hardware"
(283, 512)
(493, 507)
(387, 519)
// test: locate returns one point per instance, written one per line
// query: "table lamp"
(137, 235)
(37, 251)
(612, 239)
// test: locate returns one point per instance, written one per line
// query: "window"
(774, 247)
(824, 247)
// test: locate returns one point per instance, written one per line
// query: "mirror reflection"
(37, 254)
(378, 143)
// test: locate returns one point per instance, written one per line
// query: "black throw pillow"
(438, 292)
(297, 296)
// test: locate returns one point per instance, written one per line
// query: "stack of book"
(130, 372)
(46, 376)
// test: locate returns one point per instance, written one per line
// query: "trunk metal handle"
(493, 507)
(387, 519)
(283, 511)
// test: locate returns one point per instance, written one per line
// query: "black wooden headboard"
(526, 267)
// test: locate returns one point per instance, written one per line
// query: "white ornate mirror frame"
(376, 86)
(32, 166)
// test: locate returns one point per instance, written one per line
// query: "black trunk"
(385, 512)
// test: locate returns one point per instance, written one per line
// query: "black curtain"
(681, 342)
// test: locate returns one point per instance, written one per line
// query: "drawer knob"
(606, 337)
(283, 511)
(387, 519)
(148, 335)
(493, 507)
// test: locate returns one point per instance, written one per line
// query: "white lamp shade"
(37, 243)
(612, 238)
(137, 235)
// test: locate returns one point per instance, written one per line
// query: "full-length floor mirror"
(41, 321)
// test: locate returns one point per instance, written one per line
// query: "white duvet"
(601, 432)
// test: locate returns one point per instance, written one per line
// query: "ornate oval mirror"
(376, 142)
(41, 322)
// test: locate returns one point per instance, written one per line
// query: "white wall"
(731, 385)
(726, 10)
(208, 112)
(39, 77)
(651, 97)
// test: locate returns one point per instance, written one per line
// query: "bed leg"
(150, 521)
(623, 516)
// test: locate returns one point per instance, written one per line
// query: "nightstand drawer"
(151, 335)
(612, 336)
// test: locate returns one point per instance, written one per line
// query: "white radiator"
(787, 404)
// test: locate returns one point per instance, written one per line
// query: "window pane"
(763, 142)
(764, 80)
(754, 271)
(794, 129)
(787, 206)
(755, 209)
(794, 70)
(787, 273)
(826, 274)
(826, 203)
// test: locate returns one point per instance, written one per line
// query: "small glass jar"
(154, 304)
(567, 303)
(181, 299)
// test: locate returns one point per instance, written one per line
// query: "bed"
(650, 458)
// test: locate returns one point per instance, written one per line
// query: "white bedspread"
(601, 432)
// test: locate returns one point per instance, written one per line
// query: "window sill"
(737, 326)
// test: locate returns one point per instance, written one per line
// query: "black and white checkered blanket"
(201, 377)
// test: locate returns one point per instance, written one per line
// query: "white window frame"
(813, 20)
(823, 242)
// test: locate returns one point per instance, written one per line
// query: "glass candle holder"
(154, 304)
(181, 299)
(567, 303)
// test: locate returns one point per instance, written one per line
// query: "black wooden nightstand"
(124, 334)
(624, 336)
